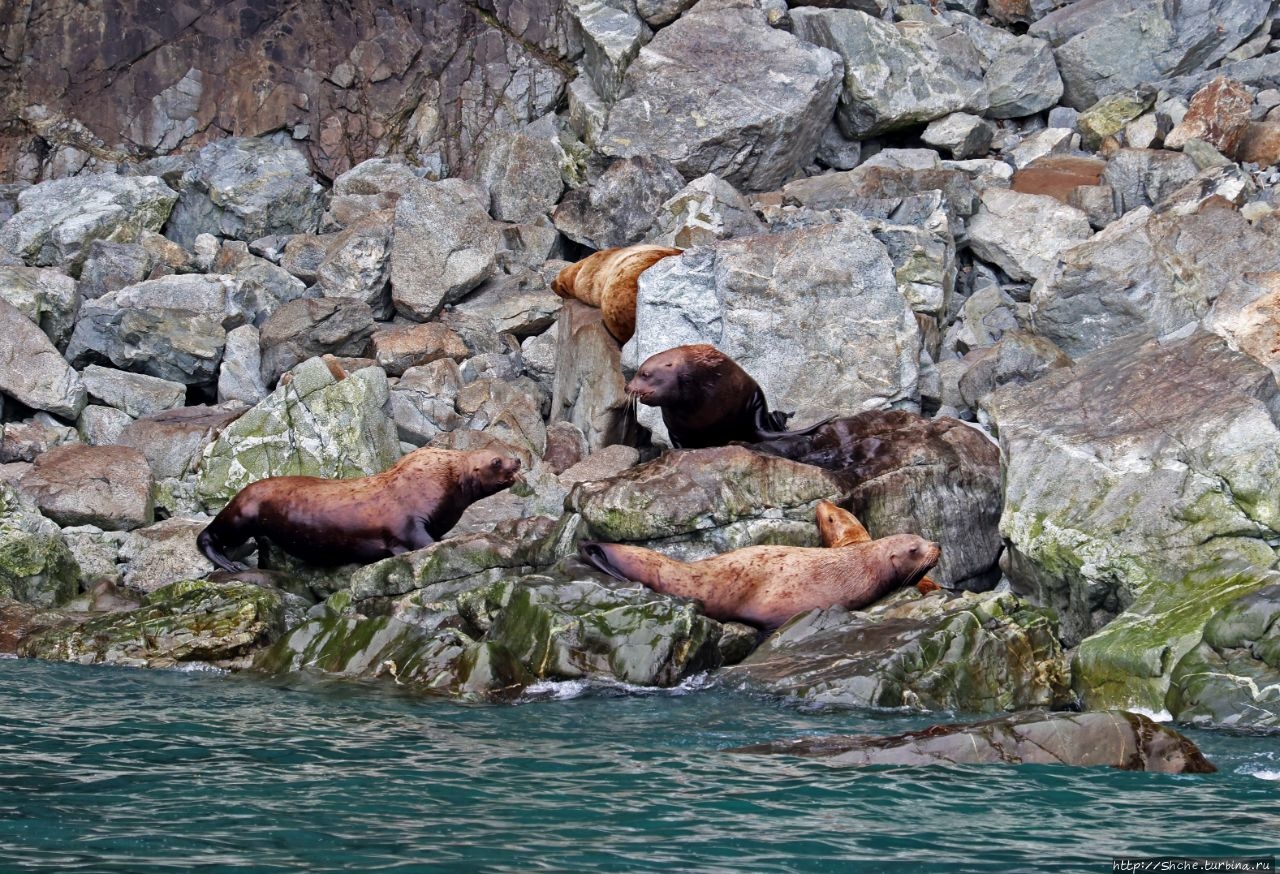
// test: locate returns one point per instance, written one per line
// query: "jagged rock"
(134, 393)
(1134, 276)
(303, 253)
(173, 327)
(47, 297)
(1130, 662)
(244, 188)
(240, 375)
(107, 486)
(397, 349)
(186, 621)
(58, 219)
(837, 151)
(357, 263)
(173, 440)
(1131, 466)
(1022, 234)
(814, 315)
(1260, 145)
(1129, 741)
(302, 329)
(111, 266)
(1016, 357)
(1219, 115)
(612, 36)
(975, 653)
(163, 553)
(706, 500)
(315, 425)
(1108, 116)
(589, 389)
(1111, 45)
(36, 566)
(904, 474)
(24, 441)
(422, 401)
(757, 131)
(705, 210)
(619, 208)
(520, 304)
(961, 134)
(1019, 72)
(660, 12)
(1231, 677)
(261, 286)
(98, 425)
(445, 245)
(886, 87)
(33, 371)
(1144, 177)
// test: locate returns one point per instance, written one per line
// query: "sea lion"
(321, 521)
(767, 585)
(608, 279)
(706, 398)
(838, 527)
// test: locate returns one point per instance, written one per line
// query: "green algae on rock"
(972, 653)
(186, 621)
(36, 565)
(1130, 663)
(1232, 676)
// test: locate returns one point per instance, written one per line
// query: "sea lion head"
(837, 526)
(491, 472)
(661, 380)
(911, 556)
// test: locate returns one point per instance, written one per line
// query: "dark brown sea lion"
(838, 527)
(767, 585)
(321, 521)
(706, 398)
(608, 279)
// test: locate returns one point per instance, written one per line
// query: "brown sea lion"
(838, 527)
(608, 279)
(321, 521)
(706, 398)
(767, 585)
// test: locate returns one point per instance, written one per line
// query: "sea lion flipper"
(597, 555)
(213, 551)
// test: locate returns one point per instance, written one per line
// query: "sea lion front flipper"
(596, 555)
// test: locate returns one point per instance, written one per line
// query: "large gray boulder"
(618, 209)
(895, 75)
(522, 171)
(1132, 466)
(445, 245)
(107, 486)
(612, 36)
(1136, 275)
(134, 393)
(174, 327)
(58, 219)
(589, 390)
(1107, 46)
(1019, 72)
(46, 296)
(698, 96)
(815, 315)
(33, 371)
(244, 188)
(1022, 234)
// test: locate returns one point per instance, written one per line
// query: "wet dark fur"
(321, 521)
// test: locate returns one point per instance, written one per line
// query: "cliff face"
(90, 83)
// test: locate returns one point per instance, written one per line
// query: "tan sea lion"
(608, 280)
(706, 398)
(321, 521)
(767, 585)
(838, 527)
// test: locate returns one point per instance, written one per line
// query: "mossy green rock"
(694, 490)
(36, 565)
(1129, 664)
(493, 641)
(974, 653)
(186, 621)
(1110, 114)
(315, 425)
(1232, 677)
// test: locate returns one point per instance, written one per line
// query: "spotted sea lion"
(767, 585)
(706, 398)
(608, 279)
(838, 527)
(322, 521)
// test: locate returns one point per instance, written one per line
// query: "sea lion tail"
(597, 555)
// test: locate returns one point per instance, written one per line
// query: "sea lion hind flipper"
(596, 554)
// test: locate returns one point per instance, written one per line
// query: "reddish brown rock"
(1260, 144)
(107, 486)
(1218, 114)
(398, 349)
(1058, 175)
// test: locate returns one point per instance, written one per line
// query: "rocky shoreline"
(1046, 282)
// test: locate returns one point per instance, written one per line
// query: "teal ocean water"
(116, 770)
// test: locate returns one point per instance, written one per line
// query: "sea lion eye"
(496, 464)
